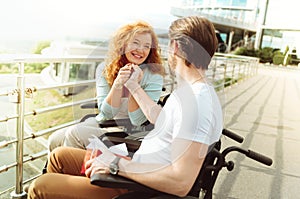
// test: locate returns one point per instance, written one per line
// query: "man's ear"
(175, 47)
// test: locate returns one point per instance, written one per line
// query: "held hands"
(130, 72)
(137, 74)
(123, 75)
(132, 84)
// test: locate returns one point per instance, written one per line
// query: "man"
(171, 155)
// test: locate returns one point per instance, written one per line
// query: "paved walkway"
(265, 109)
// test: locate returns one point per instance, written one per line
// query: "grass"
(43, 99)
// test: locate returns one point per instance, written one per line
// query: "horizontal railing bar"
(4, 94)
(35, 156)
(31, 179)
(11, 58)
(70, 84)
(32, 157)
(57, 107)
(230, 56)
(48, 59)
(33, 135)
(49, 130)
(6, 118)
(5, 143)
(5, 168)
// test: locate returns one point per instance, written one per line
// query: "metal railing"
(224, 71)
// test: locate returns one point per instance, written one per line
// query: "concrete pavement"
(265, 110)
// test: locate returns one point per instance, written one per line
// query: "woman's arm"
(115, 94)
(109, 99)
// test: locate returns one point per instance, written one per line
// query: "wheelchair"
(214, 162)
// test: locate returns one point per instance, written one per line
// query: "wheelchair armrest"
(132, 145)
(110, 181)
(114, 123)
(124, 122)
(90, 105)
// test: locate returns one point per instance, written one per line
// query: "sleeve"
(195, 117)
(105, 110)
(152, 85)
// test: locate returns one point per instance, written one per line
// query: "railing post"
(214, 68)
(18, 192)
(225, 73)
(232, 73)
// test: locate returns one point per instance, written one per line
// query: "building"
(240, 22)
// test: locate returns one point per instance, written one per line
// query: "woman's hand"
(137, 74)
(132, 83)
(123, 75)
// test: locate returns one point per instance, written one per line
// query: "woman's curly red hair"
(116, 53)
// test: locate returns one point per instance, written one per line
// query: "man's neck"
(189, 75)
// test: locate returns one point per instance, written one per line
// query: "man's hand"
(99, 164)
(137, 74)
(133, 82)
(123, 75)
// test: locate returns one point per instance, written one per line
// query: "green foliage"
(40, 46)
(278, 59)
(48, 98)
(266, 55)
(35, 67)
(8, 68)
(245, 52)
(28, 68)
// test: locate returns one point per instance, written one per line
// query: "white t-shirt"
(192, 112)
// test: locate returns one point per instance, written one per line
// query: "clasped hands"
(128, 75)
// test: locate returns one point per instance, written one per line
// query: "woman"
(133, 45)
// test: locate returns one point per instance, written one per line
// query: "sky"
(24, 21)
(46, 19)
(283, 13)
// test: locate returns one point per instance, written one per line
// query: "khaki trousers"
(64, 181)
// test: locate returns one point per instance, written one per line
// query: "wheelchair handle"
(232, 135)
(259, 157)
(250, 154)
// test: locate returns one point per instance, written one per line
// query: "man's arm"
(176, 178)
(142, 97)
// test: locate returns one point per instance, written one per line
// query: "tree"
(40, 46)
